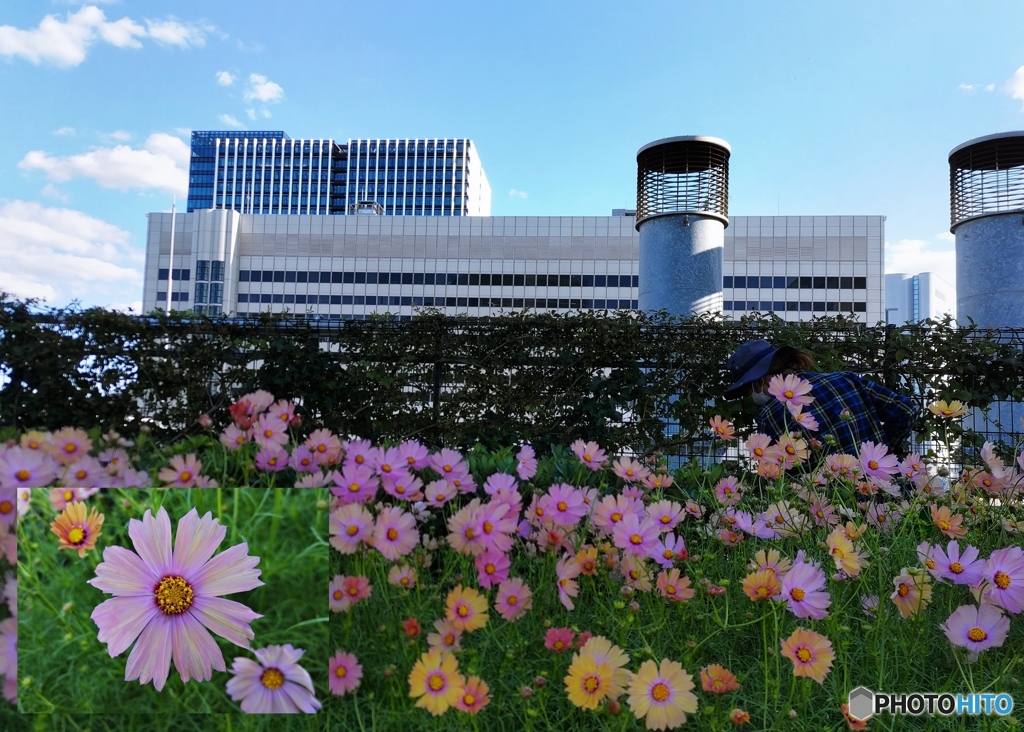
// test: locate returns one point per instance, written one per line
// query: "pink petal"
(260, 700)
(122, 573)
(303, 699)
(196, 540)
(195, 652)
(245, 668)
(150, 659)
(226, 618)
(230, 571)
(152, 540)
(299, 675)
(121, 619)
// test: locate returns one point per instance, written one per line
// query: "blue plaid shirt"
(877, 413)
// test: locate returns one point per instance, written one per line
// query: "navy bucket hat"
(751, 361)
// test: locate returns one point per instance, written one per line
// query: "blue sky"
(829, 108)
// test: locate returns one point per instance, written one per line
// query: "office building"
(913, 298)
(270, 173)
(345, 267)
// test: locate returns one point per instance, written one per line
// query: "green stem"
(278, 497)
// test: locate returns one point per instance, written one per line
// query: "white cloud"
(990, 87)
(61, 254)
(946, 236)
(183, 132)
(967, 87)
(51, 191)
(121, 135)
(266, 113)
(66, 132)
(261, 88)
(913, 256)
(251, 113)
(231, 122)
(66, 42)
(1015, 84)
(518, 194)
(172, 32)
(162, 163)
(225, 78)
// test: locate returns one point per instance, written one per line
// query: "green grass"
(64, 669)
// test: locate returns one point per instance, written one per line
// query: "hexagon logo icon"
(862, 703)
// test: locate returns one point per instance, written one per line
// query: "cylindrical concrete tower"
(682, 209)
(986, 191)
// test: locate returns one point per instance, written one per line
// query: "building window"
(201, 289)
(216, 293)
(202, 271)
(216, 271)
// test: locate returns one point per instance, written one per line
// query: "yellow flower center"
(272, 678)
(385, 468)
(790, 450)
(929, 563)
(440, 497)
(717, 685)
(540, 511)
(392, 534)
(1002, 580)
(762, 591)
(321, 448)
(489, 568)
(410, 460)
(956, 568)
(468, 699)
(70, 448)
(788, 393)
(977, 634)
(797, 594)
(563, 506)
(174, 595)
(666, 519)
(629, 472)
(403, 581)
(636, 539)
(488, 527)
(353, 487)
(512, 600)
(76, 536)
(944, 525)
(804, 654)
(341, 672)
(449, 639)
(660, 692)
(447, 468)
(23, 475)
(670, 589)
(616, 517)
(436, 682)
(268, 433)
(360, 459)
(400, 489)
(668, 554)
(352, 530)
(587, 457)
(873, 464)
(591, 684)
(82, 474)
(903, 590)
(470, 534)
(463, 611)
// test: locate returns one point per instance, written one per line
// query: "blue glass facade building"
(270, 173)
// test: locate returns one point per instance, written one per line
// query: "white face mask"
(760, 398)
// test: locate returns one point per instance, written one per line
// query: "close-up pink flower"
(24, 467)
(1004, 574)
(355, 483)
(395, 533)
(526, 463)
(959, 567)
(182, 471)
(801, 591)
(274, 683)
(170, 600)
(268, 431)
(589, 454)
(876, 461)
(791, 390)
(87, 472)
(344, 673)
(977, 628)
(513, 600)
(636, 535)
(348, 526)
(564, 505)
(559, 640)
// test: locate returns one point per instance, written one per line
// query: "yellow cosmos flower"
(436, 681)
(810, 652)
(76, 530)
(952, 410)
(588, 682)
(662, 695)
(466, 609)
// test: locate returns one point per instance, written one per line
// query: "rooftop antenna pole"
(170, 263)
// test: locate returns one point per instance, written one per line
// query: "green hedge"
(457, 381)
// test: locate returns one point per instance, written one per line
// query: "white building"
(344, 267)
(914, 298)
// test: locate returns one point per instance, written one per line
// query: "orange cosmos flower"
(810, 652)
(76, 530)
(723, 428)
(762, 585)
(739, 716)
(466, 609)
(947, 522)
(717, 679)
(436, 681)
(474, 696)
(913, 591)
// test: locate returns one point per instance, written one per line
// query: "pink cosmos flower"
(403, 485)
(977, 628)
(1005, 576)
(414, 455)
(876, 461)
(446, 638)
(497, 481)
(667, 514)
(337, 601)
(325, 447)
(88, 472)
(672, 587)
(387, 461)
(182, 472)
(612, 509)
(960, 568)
(359, 453)
(791, 390)
(348, 526)
(669, 550)
(567, 570)
(355, 484)
(727, 491)
(526, 463)
(801, 591)
(69, 444)
(463, 483)
(564, 505)
(61, 497)
(170, 600)
(439, 492)
(345, 673)
(589, 454)
(272, 459)
(233, 438)
(822, 513)
(466, 535)
(513, 600)
(274, 683)
(269, 431)
(636, 536)
(657, 481)
(448, 463)
(912, 466)
(492, 568)
(395, 534)
(559, 640)
(22, 467)
(316, 479)
(630, 470)
(355, 588)
(302, 460)
(806, 420)
(498, 524)
(756, 444)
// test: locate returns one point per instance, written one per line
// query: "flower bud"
(614, 707)
(526, 692)
(205, 421)
(539, 681)
(634, 607)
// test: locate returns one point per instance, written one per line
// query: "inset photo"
(170, 601)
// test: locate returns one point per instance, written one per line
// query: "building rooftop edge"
(688, 138)
(985, 138)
